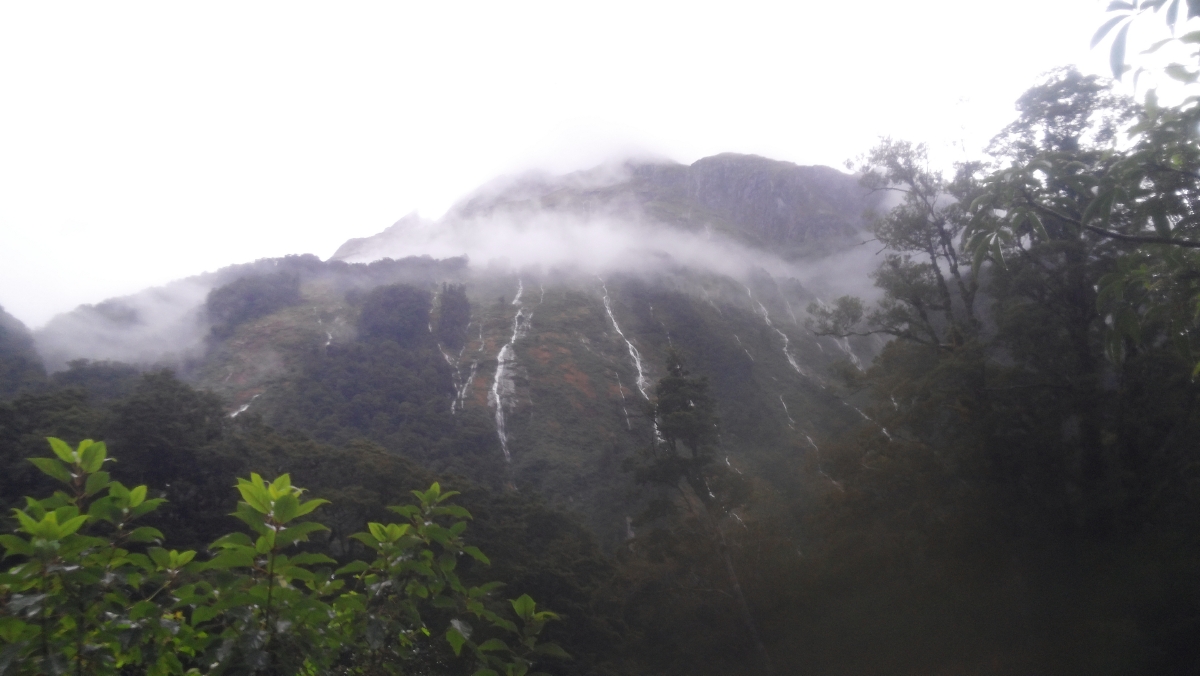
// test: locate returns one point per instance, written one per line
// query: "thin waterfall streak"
(791, 423)
(789, 309)
(730, 465)
(643, 383)
(520, 290)
(244, 406)
(844, 343)
(872, 421)
(739, 342)
(624, 409)
(762, 310)
(820, 469)
(710, 302)
(503, 386)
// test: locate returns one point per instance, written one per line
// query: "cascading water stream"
(739, 342)
(503, 386)
(791, 423)
(244, 407)
(624, 409)
(820, 469)
(844, 343)
(871, 420)
(762, 310)
(643, 383)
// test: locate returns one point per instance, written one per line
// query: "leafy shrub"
(92, 593)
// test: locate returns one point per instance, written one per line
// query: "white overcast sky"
(141, 142)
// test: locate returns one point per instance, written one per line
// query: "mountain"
(570, 291)
(20, 365)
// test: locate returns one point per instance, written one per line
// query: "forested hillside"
(733, 439)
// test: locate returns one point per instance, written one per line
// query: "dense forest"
(1010, 486)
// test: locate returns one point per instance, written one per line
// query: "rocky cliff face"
(789, 210)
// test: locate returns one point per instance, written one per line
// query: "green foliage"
(20, 366)
(1125, 12)
(248, 298)
(398, 313)
(93, 593)
(929, 286)
(453, 315)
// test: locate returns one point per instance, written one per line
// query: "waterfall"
(762, 310)
(844, 343)
(739, 342)
(791, 423)
(503, 386)
(872, 420)
(623, 407)
(244, 406)
(643, 383)
(821, 470)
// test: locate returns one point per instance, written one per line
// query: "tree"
(686, 434)
(1126, 11)
(929, 286)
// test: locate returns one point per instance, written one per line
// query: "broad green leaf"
(255, 494)
(298, 533)
(53, 468)
(146, 507)
(1105, 28)
(232, 540)
(453, 510)
(96, 482)
(524, 606)
(309, 559)
(253, 518)
(475, 553)
(1180, 73)
(492, 644)
(28, 524)
(456, 640)
(352, 567)
(1117, 54)
(146, 534)
(160, 557)
(281, 486)
(62, 450)
(378, 531)
(137, 495)
(15, 545)
(230, 558)
(92, 456)
(310, 505)
(286, 506)
(553, 650)
(72, 525)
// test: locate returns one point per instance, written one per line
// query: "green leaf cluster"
(93, 593)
